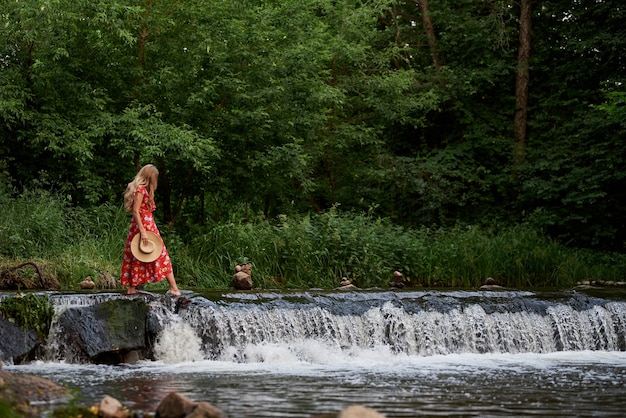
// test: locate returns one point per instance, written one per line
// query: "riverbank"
(294, 252)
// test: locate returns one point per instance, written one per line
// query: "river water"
(404, 354)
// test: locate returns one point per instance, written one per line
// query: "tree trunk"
(430, 32)
(521, 85)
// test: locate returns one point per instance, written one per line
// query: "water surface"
(556, 384)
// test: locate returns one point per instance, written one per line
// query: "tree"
(574, 174)
(521, 83)
(430, 32)
(80, 119)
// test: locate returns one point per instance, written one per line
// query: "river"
(405, 354)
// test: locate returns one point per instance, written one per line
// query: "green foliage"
(579, 199)
(317, 250)
(574, 182)
(271, 108)
(7, 410)
(98, 249)
(30, 311)
(73, 411)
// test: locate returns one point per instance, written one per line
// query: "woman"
(139, 199)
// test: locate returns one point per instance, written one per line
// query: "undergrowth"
(296, 252)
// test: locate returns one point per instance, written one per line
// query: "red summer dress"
(135, 272)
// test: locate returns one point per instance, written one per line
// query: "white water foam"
(178, 343)
(371, 362)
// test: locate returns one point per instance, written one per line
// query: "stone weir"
(111, 328)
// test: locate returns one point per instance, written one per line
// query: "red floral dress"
(135, 272)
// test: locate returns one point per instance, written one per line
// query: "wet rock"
(398, 280)
(346, 284)
(21, 391)
(242, 281)
(599, 283)
(175, 405)
(16, 344)
(103, 333)
(131, 357)
(490, 284)
(206, 410)
(112, 408)
(359, 411)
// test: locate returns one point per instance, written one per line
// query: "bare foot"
(174, 292)
(131, 291)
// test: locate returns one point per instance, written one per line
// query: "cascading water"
(406, 354)
(411, 323)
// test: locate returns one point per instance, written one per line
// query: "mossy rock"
(103, 333)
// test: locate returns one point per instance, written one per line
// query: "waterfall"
(317, 326)
(178, 343)
(414, 324)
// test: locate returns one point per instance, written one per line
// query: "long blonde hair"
(147, 177)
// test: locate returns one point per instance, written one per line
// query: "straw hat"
(147, 253)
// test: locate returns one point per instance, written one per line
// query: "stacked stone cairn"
(242, 279)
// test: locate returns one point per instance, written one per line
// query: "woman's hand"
(144, 238)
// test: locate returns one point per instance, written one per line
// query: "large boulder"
(16, 343)
(107, 332)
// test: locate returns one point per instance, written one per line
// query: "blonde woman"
(139, 200)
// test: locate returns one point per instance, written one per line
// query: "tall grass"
(34, 224)
(70, 242)
(97, 251)
(307, 251)
(317, 250)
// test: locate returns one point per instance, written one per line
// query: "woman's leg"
(173, 287)
(131, 290)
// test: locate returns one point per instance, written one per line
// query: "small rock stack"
(398, 280)
(242, 280)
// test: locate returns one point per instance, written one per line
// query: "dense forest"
(423, 113)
